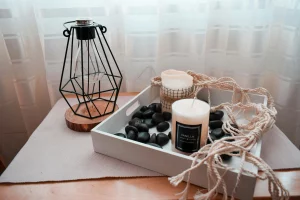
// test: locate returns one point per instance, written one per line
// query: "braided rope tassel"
(244, 138)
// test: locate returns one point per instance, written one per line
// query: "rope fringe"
(243, 139)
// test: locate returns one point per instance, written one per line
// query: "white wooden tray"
(164, 160)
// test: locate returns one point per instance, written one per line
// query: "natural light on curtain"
(257, 42)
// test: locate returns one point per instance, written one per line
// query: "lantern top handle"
(82, 22)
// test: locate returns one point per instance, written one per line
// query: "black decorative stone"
(158, 108)
(143, 108)
(213, 117)
(157, 118)
(162, 139)
(218, 115)
(154, 145)
(215, 124)
(163, 126)
(149, 123)
(143, 137)
(225, 157)
(138, 114)
(167, 116)
(120, 135)
(218, 133)
(153, 138)
(152, 106)
(170, 135)
(131, 128)
(142, 127)
(148, 114)
(132, 135)
(135, 121)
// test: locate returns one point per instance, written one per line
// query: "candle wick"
(193, 101)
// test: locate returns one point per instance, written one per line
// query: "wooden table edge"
(289, 178)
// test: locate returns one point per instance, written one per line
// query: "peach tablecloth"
(55, 153)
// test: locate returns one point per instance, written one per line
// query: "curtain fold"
(256, 42)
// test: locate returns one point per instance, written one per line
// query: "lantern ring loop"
(66, 33)
(103, 29)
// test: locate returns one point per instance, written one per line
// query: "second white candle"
(190, 120)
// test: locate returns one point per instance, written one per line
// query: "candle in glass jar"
(190, 118)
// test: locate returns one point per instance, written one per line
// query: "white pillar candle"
(190, 120)
(176, 80)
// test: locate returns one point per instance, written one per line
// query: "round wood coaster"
(81, 124)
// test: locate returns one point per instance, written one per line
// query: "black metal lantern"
(89, 69)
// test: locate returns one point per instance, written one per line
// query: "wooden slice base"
(81, 124)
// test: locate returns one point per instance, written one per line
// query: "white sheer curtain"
(257, 42)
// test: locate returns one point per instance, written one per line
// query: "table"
(128, 188)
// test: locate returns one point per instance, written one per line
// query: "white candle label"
(188, 137)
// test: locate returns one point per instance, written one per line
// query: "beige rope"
(156, 81)
(244, 138)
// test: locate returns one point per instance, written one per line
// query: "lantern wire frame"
(79, 82)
